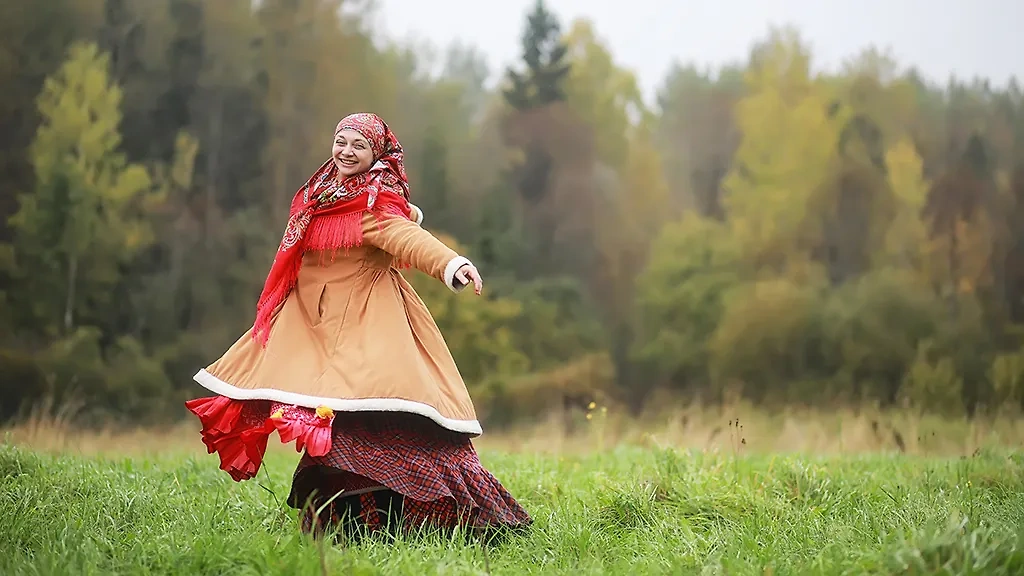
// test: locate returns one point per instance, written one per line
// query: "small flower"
(589, 416)
(604, 409)
(592, 405)
(324, 412)
(278, 414)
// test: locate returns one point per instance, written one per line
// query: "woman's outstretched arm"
(408, 242)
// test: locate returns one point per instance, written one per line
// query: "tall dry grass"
(742, 428)
(739, 428)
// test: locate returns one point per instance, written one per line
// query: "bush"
(871, 329)
(769, 336)
(932, 384)
(22, 383)
(119, 383)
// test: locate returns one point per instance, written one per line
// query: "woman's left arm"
(407, 241)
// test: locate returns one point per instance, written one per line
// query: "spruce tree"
(544, 56)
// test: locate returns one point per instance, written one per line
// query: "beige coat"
(354, 336)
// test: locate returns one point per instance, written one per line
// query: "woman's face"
(351, 153)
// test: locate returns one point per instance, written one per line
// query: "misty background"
(784, 203)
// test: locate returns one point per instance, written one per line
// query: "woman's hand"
(468, 273)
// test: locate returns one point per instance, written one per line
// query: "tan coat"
(354, 336)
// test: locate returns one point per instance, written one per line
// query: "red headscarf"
(327, 214)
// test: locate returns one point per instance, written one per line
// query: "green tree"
(34, 37)
(533, 95)
(543, 53)
(436, 186)
(680, 301)
(86, 214)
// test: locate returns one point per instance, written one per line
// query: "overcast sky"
(942, 38)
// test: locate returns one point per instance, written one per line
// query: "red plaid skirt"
(356, 464)
(425, 474)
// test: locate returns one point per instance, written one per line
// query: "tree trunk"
(954, 270)
(69, 304)
(213, 168)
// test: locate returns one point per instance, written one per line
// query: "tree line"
(764, 232)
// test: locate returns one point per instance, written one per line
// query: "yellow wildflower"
(324, 412)
(279, 413)
(592, 405)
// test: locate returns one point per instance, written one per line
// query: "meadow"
(731, 492)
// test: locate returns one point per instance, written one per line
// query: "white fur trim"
(419, 214)
(218, 386)
(451, 269)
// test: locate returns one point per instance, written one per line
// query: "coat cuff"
(418, 213)
(450, 270)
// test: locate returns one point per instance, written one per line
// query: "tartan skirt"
(399, 470)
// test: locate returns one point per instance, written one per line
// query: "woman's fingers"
(469, 273)
(478, 282)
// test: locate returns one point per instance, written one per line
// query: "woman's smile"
(352, 153)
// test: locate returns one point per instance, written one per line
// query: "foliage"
(543, 53)
(87, 214)
(767, 230)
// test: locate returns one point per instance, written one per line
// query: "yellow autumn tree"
(906, 238)
(787, 149)
(604, 95)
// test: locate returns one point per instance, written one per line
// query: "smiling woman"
(352, 153)
(345, 359)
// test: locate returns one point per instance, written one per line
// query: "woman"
(345, 359)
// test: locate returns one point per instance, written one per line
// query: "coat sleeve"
(417, 214)
(408, 242)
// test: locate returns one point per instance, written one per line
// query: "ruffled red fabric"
(239, 430)
(305, 427)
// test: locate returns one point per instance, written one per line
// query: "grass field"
(626, 508)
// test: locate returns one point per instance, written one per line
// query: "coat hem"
(218, 386)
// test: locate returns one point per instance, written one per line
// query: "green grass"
(627, 511)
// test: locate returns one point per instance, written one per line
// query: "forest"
(764, 231)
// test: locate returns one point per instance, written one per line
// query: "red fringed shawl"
(327, 214)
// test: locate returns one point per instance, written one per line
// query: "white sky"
(942, 38)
